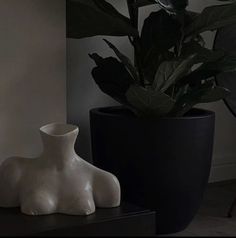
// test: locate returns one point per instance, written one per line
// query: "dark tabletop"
(14, 223)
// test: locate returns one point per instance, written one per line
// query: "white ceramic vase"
(58, 181)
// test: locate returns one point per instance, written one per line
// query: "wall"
(224, 158)
(83, 94)
(32, 72)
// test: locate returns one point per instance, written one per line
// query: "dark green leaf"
(197, 76)
(212, 18)
(203, 54)
(87, 18)
(224, 64)
(210, 69)
(150, 70)
(179, 69)
(203, 94)
(142, 3)
(160, 32)
(214, 62)
(214, 94)
(125, 60)
(173, 6)
(148, 102)
(164, 72)
(112, 77)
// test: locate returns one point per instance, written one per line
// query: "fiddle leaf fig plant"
(172, 70)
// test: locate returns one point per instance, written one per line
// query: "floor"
(212, 219)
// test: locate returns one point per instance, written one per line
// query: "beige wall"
(32, 72)
(84, 94)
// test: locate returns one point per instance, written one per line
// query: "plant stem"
(181, 19)
(134, 14)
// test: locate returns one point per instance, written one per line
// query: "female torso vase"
(59, 181)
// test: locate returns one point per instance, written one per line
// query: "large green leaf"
(125, 60)
(148, 102)
(224, 64)
(86, 18)
(197, 76)
(173, 6)
(178, 70)
(214, 62)
(143, 3)
(169, 5)
(203, 94)
(160, 32)
(112, 77)
(212, 18)
(203, 54)
(174, 72)
(164, 72)
(214, 94)
(150, 70)
(210, 69)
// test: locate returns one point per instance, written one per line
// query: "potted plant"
(157, 143)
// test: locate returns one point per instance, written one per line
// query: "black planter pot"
(162, 165)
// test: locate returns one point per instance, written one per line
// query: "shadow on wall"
(83, 93)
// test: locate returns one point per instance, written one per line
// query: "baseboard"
(222, 172)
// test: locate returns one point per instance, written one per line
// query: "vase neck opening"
(58, 141)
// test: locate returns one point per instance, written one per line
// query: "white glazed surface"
(58, 181)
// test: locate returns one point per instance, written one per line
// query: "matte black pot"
(162, 165)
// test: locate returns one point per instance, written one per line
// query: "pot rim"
(105, 111)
